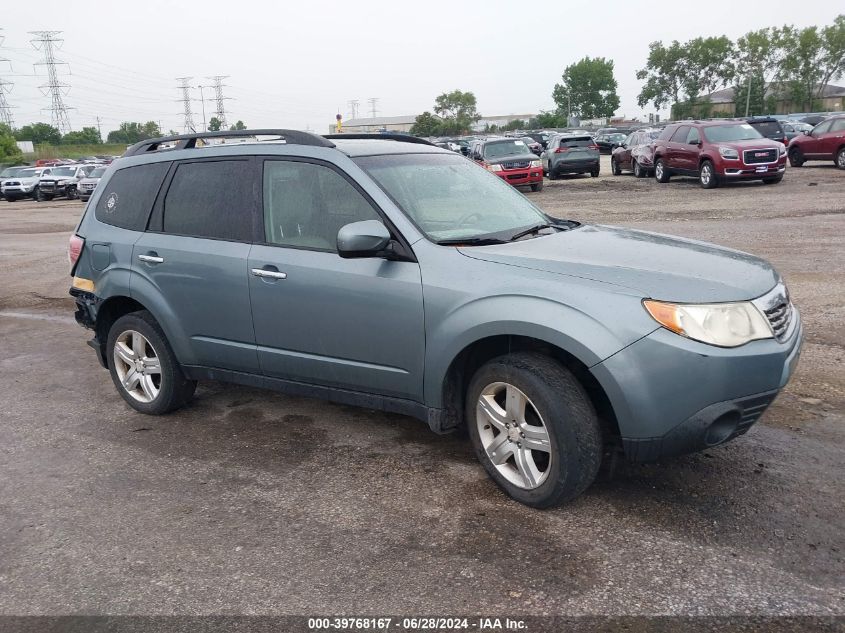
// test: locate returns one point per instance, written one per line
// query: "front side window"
(210, 199)
(450, 198)
(693, 138)
(306, 204)
(822, 128)
(838, 125)
(680, 136)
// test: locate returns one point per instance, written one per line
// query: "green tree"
(547, 120)
(426, 124)
(588, 90)
(86, 136)
(802, 69)
(833, 57)
(516, 124)
(457, 111)
(239, 125)
(214, 124)
(708, 64)
(132, 132)
(759, 58)
(663, 74)
(9, 150)
(39, 134)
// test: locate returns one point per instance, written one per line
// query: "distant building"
(723, 102)
(501, 121)
(377, 124)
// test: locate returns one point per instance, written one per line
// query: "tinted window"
(768, 128)
(210, 199)
(693, 136)
(579, 141)
(822, 128)
(306, 204)
(680, 136)
(129, 195)
(667, 133)
(838, 125)
(728, 133)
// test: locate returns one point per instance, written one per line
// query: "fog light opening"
(722, 428)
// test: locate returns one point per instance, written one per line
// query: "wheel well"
(467, 362)
(109, 312)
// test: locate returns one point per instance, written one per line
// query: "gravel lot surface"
(252, 502)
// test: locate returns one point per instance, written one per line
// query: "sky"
(297, 64)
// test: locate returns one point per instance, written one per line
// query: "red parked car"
(510, 159)
(717, 152)
(826, 141)
(635, 154)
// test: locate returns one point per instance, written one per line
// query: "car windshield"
(728, 133)
(27, 173)
(64, 171)
(10, 171)
(451, 198)
(97, 173)
(498, 149)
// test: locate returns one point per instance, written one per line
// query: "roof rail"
(402, 138)
(189, 141)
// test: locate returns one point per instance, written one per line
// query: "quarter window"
(211, 199)
(305, 205)
(128, 196)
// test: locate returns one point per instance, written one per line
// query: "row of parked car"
(65, 180)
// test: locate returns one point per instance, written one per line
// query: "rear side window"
(211, 199)
(129, 195)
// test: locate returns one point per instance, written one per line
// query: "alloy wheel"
(840, 159)
(514, 435)
(658, 170)
(706, 174)
(138, 366)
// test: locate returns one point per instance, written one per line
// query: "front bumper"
(672, 395)
(528, 176)
(738, 170)
(16, 191)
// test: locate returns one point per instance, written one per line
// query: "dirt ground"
(252, 502)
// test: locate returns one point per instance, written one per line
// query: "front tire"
(707, 175)
(840, 158)
(638, 171)
(143, 367)
(533, 428)
(537, 186)
(796, 158)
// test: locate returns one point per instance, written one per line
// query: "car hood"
(510, 158)
(752, 143)
(654, 265)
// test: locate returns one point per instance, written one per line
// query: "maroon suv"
(826, 141)
(716, 152)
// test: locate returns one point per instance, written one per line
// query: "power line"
(5, 88)
(219, 99)
(185, 87)
(46, 41)
(373, 101)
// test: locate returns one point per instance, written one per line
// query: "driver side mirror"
(367, 238)
(808, 132)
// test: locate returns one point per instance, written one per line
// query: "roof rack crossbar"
(402, 138)
(189, 141)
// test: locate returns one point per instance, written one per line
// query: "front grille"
(758, 156)
(518, 164)
(87, 185)
(779, 317)
(12, 183)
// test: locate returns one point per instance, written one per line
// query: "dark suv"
(769, 128)
(387, 273)
(716, 152)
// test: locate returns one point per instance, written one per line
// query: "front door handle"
(151, 259)
(268, 274)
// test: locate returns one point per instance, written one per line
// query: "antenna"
(46, 41)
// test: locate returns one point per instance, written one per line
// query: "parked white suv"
(25, 184)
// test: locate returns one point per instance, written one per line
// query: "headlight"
(729, 153)
(722, 324)
(782, 149)
(494, 167)
(536, 163)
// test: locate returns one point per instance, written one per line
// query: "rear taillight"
(74, 249)
(592, 146)
(561, 150)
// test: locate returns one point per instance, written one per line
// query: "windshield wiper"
(471, 241)
(534, 229)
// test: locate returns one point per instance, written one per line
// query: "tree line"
(763, 66)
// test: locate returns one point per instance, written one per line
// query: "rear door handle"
(151, 259)
(268, 274)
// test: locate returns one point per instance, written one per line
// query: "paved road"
(251, 502)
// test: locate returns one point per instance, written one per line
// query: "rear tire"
(707, 175)
(796, 158)
(548, 409)
(661, 174)
(552, 175)
(615, 169)
(594, 173)
(143, 367)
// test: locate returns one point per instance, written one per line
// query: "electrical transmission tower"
(185, 87)
(218, 86)
(47, 41)
(5, 88)
(373, 101)
(353, 108)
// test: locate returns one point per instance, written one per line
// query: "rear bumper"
(522, 176)
(672, 395)
(575, 166)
